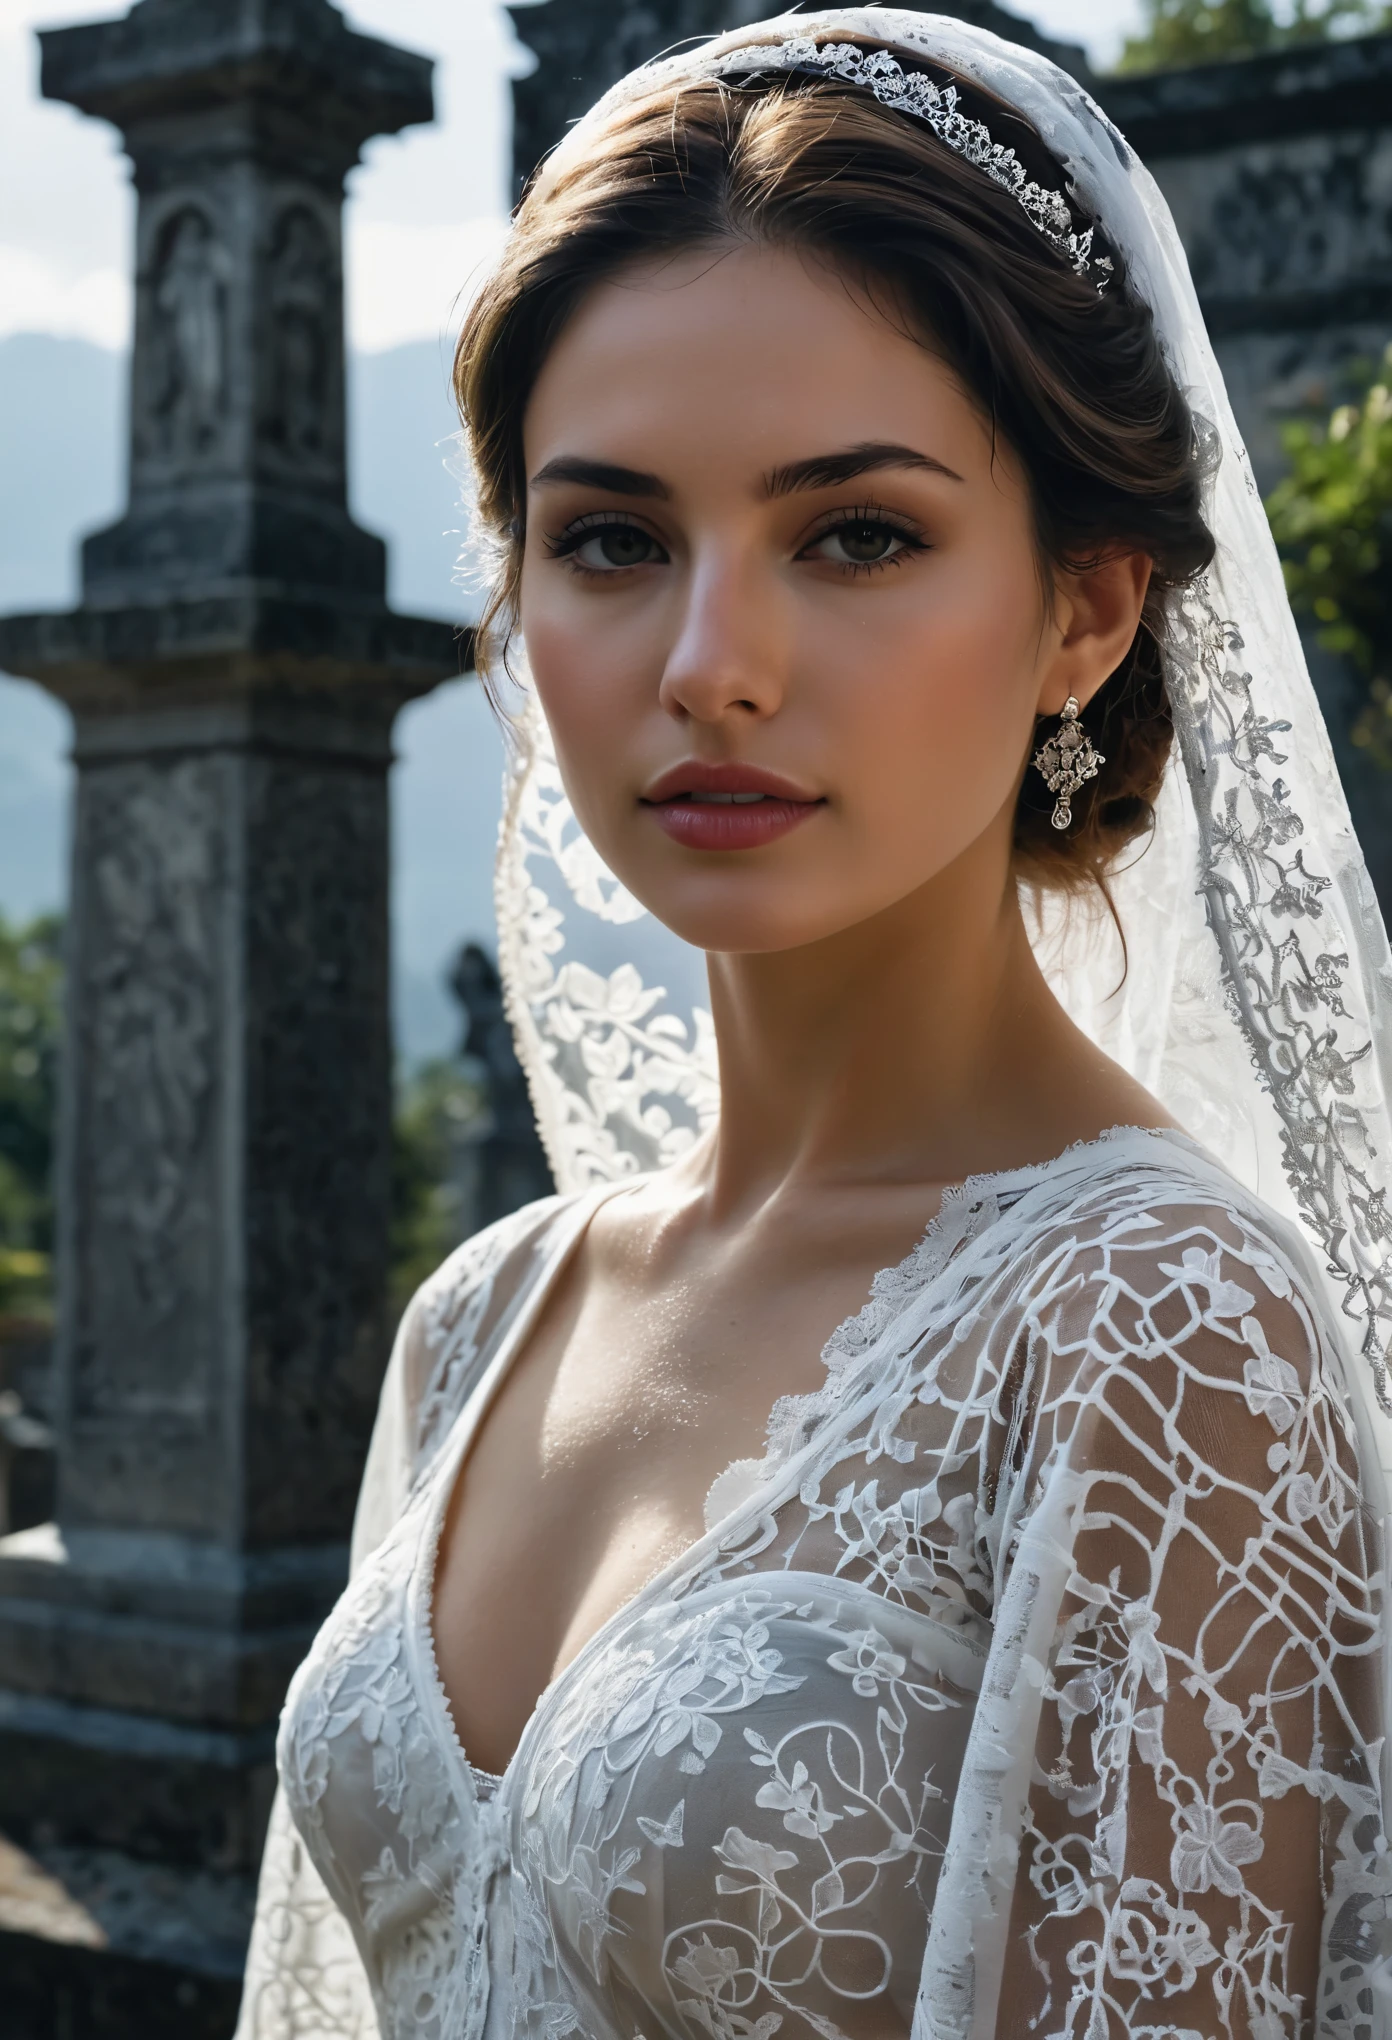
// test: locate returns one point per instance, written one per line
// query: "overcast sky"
(425, 207)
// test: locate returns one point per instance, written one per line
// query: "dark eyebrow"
(600, 474)
(829, 470)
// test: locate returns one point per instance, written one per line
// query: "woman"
(1023, 1672)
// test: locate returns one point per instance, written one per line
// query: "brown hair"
(1075, 381)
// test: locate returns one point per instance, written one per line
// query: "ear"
(1096, 614)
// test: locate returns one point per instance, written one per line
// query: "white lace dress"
(1029, 1685)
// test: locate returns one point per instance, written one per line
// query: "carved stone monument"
(233, 672)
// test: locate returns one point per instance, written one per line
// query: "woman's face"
(781, 600)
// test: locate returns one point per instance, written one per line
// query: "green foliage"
(30, 986)
(1180, 32)
(1332, 518)
(436, 1109)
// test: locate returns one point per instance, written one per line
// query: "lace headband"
(914, 93)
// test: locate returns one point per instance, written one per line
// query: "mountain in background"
(62, 428)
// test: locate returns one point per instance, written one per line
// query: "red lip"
(727, 825)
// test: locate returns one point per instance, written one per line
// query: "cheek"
(565, 651)
(592, 676)
(934, 701)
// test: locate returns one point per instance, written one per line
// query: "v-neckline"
(445, 1482)
(469, 1421)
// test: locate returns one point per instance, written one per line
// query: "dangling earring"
(1067, 761)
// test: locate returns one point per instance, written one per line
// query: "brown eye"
(618, 545)
(862, 542)
(866, 542)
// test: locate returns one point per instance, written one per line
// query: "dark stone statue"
(503, 1165)
(188, 389)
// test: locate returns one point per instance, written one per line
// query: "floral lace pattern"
(303, 1979)
(356, 1716)
(1292, 997)
(798, 1857)
(621, 1080)
(1033, 1684)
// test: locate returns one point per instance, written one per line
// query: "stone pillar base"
(139, 1686)
(56, 1988)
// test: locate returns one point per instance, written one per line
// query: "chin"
(747, 919)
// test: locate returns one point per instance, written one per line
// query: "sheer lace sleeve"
(304, 1977)
(304, 1980)
(1169, 1819)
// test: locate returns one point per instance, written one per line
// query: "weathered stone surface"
(1308, 87)
(101, 1898)
(90, 1778)
(1279, 174)
(241, 123)
(229, 1163)
(243, 653)
(54, 1988)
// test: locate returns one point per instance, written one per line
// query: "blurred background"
(1269, 124)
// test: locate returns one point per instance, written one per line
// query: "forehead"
(741, 348)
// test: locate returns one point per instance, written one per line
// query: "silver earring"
(1067, 761)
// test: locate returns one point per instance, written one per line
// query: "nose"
(729, 657)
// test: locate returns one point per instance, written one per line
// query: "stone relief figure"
(190, 351)
(302, 286)
(152, 860)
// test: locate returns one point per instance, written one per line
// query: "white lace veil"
(1257, 1001)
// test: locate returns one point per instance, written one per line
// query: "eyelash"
(566, 544)
(913, 540)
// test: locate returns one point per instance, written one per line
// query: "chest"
(787, 1723)
(826, 1636)
(588, 1473)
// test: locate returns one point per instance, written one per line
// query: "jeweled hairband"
(915, 93)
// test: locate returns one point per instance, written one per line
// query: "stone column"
(233, 672)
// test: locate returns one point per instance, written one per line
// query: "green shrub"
(1179, 32)
(1332, 518)
(30, 992)
(437, 1106)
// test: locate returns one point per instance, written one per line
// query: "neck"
(921, 1045)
